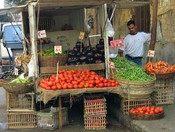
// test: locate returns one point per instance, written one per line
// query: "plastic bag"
(109, 28)
(31, 68)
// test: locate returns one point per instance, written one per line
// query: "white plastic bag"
(31, 68)
(109, 28)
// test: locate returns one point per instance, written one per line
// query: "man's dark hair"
(130, 22)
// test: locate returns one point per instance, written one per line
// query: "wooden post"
(60, 113)
(154, 27)
(32, 25)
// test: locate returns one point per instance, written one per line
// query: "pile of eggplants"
(82, 54)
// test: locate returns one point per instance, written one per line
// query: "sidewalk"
(166, 124)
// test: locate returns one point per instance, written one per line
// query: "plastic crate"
(50, 120)
(95, 105)
(127, 104)
(163, 96)
(22, 119)
(95, 122)
(20, 102)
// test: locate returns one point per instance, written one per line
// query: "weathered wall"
(165, 44)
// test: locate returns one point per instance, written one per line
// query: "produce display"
(21, 79)
(129, 70)
(146, 113)
(50, 52)
(69, 79)
(159, 67)
(147, 110)
(82, 54)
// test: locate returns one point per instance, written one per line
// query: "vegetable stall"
(81, 67)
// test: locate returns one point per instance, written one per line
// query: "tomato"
(105, 80)
(54, 87)
(49, 83)
(58, 86)
(100, 85)
(43, 85)
(75, 85)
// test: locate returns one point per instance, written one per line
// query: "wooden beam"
(154, 27)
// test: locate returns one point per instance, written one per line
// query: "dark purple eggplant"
(71, 53)
(78, 63)
(90, 54)
(78, 45)
(98, 56)
(84, 52)
(99, 61)
(99, 46)
(83, 58)
(84, 49)
(79, 54)
(90, 60)
(88, 48)
(76, 49)
(94, 50)
(102, 51)
(101, 41)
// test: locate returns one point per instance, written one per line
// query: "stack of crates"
(127, 104)
(20, 110)
(164, 90)
(95, 113)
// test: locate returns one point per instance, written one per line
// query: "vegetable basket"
(136, 89)
(17, 88)
(136, 116)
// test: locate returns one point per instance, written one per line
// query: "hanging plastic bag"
(109, 28)
(31, 68)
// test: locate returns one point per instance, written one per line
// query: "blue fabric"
(138, 61)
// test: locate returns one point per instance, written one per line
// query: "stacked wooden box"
(20, 110)
(95, 113)
(164, 90)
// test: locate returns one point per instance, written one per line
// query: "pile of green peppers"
(129, 70)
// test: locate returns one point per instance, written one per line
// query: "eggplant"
(84, 49)
(76, 49)
(101, 51)
(83, 58)
(71, 53)
(78, 63)
(90, 54)
(78, 44)
(79, 54)
(99, 61)
(90, 60)
(99, 46)
(98, 56)
(88, 48)
(101, 41)
(83, 52)
(94, 50)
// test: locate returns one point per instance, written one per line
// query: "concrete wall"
(165, 44)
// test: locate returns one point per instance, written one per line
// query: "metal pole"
(154, 27)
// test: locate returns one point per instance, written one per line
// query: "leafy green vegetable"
(50, 52)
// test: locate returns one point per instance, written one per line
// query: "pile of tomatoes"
(147, 110)
(69, 79)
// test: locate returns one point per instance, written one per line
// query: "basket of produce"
(146, 113)
(19, 85)
(161, 69)
(50, 59)
(135, 83)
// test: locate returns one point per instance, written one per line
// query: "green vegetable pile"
(21, 79)
(129, 70)
(50, 52)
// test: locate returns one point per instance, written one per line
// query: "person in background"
(134, 43)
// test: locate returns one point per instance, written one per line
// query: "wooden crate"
(127, 104)
(95, 122)
(20, 102)
(95, 106)
(163, 96)
(21, 119)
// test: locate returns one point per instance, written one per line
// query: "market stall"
(69, 11)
